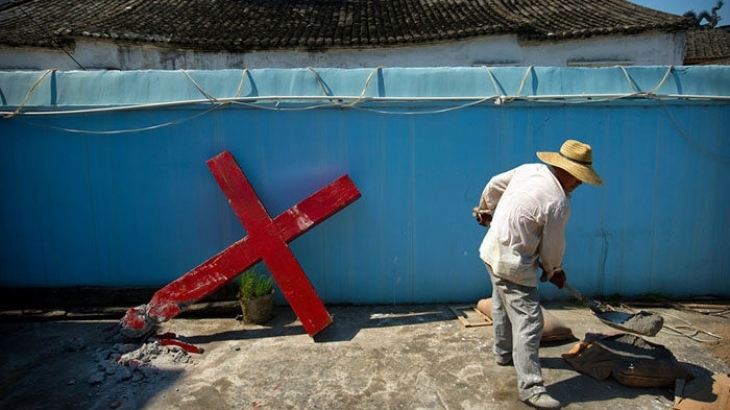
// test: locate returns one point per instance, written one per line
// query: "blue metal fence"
(104, 183)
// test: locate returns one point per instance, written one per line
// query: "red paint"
(267, 240)
(190, 348)
(166, 335)
(135, 318)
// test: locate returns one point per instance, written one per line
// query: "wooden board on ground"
(470, 316)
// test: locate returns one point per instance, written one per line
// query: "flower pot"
(257, 310)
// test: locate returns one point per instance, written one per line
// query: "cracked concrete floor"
(371, 357)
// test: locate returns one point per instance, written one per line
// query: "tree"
(712, 18)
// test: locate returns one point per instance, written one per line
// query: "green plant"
(252, 284)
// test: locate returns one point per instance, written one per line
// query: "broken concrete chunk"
(97, 378)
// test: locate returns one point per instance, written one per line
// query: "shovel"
(642, 323)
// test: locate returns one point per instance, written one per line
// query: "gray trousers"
(518, 325)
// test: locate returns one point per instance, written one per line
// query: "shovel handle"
(574, 292)
(594, 308)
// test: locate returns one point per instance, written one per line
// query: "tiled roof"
(706, 46)
(241, 25)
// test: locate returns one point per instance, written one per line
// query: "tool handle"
(591, 305)
(574, 292)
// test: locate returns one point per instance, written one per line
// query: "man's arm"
(552, 245)
(491, 195)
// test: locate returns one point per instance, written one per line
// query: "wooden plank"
(470, 316)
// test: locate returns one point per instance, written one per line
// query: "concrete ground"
(371, 357)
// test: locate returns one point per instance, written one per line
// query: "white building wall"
(642, 50)
(645, 49)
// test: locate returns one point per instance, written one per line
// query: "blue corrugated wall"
(86, 204)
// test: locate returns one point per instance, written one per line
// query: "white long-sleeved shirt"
(529, 212)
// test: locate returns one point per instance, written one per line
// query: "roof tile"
(707, 46)
(244, 25)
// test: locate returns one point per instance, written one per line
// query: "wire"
(690, 331)
(53, 39)
(424, 112)
(689, 138)
(278, 99)
(129, 130)
(327, 100)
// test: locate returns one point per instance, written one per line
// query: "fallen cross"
(266, 240)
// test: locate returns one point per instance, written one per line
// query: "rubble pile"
(132, 362)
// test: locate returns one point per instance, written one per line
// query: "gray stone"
(97, 378)
(123, 373)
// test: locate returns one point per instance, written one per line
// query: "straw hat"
(576, 158)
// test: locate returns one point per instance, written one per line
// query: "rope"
(629, 79)
(439, 111)
(517, 96)
(202, 91)
(524, 80)
(278, 108)
(652, 94)
(365, 87)
(129, 130)
(240, 84)
(689, 138)
(323, 86)
(497, 91)
(661, 83)
(693, 333)
(210, 96)
(355, 102)
(500, 99)
(29, 93)
(550, 99)
(686, 330)
(707, 309)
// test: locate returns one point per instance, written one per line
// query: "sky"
(680, 7)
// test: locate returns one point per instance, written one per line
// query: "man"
(526, 210)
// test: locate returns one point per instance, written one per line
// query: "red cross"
(266, 240)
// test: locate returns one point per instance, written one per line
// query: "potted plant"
(256, 296)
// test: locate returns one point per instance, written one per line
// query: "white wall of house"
(655, 48)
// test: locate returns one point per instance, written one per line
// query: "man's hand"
(483, 217)
(558, 278)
